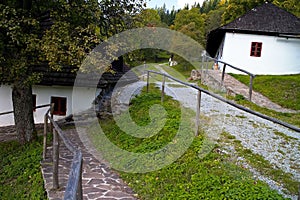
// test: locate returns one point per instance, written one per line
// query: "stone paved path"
(99, 181)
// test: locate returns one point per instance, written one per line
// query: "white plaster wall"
(279, 55)
(6, 105)
(43, 96)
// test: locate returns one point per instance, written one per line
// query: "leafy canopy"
(57, 33)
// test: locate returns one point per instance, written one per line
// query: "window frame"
(256, 49)
(60, 105)
(34, 102)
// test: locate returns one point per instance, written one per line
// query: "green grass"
(190, 177)
(283, 90)
(20, 173)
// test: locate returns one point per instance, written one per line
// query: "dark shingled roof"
(266, 19)
(67, 76)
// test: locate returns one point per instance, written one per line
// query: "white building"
(60, 95)
(58, 87)
(266, 40)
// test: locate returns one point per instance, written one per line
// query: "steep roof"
(266, 19)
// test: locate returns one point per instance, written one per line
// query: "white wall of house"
(6, 105)
(43, 96)
(279, 55)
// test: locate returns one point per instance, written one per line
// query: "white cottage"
(266, 40)
(58, 87)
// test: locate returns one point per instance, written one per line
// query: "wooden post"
(299, 192)
(79, 189)
(55, 159)
(51, 114)
(206, 64)
(223, 74)
(251, 87)
(163, 89)
(45, 136)
(148, 74)
(198, 112)
(202, 62)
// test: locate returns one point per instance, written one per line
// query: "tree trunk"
(23, 113)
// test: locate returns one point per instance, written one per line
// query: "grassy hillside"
(283, 90)
(20, 173)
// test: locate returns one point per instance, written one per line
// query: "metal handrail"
(252, 76)
(223, 100)
(74, 185)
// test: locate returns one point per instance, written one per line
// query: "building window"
(60, 105)
(256, 49)
(34, 102)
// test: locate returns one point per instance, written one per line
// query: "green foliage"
(20, 173)
(138, 114)
(191, 176)
(213, 19)
(166, 16)
(209, 5)
(75, 28)
(148, 17)
(239, 97)
(19, 44)
(191, 23)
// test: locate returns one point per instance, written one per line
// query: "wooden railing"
(34, 108)
(74, 185)
(252, 76)
(201, 90)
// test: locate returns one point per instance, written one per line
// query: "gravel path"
(261, 136)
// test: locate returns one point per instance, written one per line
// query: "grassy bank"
(283, 90)
(215, 176)
(20, 173)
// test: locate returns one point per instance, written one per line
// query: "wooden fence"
(252, 76)
(74, 185)
(201, 90)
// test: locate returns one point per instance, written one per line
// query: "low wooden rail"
(74, 185)
(252, 76)
(37, 107)
(201, 90)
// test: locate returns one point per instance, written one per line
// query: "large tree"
(191, 23)
(56, 33)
